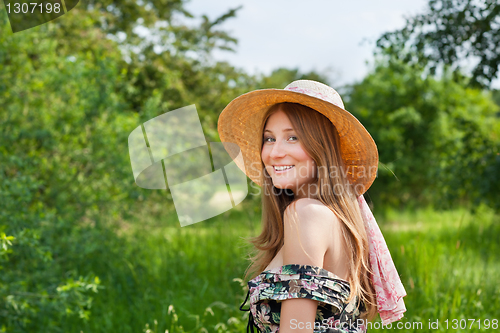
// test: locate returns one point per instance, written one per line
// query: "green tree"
(449, 33)
(438, 141)
(281, 77)
(70, 94)
(53, 171)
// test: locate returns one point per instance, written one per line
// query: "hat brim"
(241, 120)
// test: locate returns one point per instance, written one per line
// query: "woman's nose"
(278, 150)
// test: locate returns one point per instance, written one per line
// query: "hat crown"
(317, 90)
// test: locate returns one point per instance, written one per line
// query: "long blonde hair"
(316, 132)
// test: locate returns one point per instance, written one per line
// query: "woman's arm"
(308, 230)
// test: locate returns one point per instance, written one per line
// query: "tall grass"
(449, 264)
(160, 277)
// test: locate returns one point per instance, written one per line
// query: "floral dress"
(334, 314)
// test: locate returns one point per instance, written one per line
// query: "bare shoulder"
(310, 223)
(307, 209)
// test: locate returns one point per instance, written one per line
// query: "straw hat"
(241, 121)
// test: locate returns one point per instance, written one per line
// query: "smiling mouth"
(283, 169)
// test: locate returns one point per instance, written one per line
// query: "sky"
(334, 37)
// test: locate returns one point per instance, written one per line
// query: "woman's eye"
(268, 139)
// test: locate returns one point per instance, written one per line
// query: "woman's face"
(285, 160)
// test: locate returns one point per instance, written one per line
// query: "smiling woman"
(283, 156)
(320, 256)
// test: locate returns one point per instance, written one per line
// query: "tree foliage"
(450, 33)
(438, 141)
(70, 93)
(281, 77)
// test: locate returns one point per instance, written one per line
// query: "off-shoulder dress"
(334, 313)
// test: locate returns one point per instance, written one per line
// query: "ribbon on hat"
(388, 287)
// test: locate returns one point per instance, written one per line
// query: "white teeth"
(281, 168)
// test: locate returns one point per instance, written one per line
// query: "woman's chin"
(283, 186)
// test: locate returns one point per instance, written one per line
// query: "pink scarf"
(388, 286)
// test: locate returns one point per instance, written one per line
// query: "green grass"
(449, 264)
(159, 276)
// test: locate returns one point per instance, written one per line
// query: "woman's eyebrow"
(285, 130)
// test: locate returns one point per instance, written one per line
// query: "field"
(160, 277)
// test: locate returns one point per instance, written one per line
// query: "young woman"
(320, 257)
